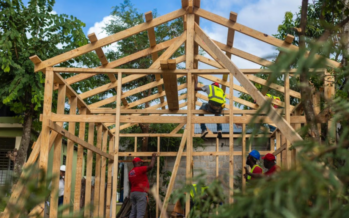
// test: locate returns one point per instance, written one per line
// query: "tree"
(125, 16)
(25, 31)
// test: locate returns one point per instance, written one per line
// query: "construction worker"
(251, 161)
(61, 184)
(215, 105)
(269, 163)
(139, 185)
(274, 98)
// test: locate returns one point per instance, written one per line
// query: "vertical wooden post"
(278, 144)
(70, 155)
(45, 133)
(217, 158)
(79, 162)
(135, 150)
(288, 118)
(109, 186)
(231, 139)
(317, 107)
(116, 146)
(158, 176)
(57, 154)
(89, 160)
(190, 90)
(103, 165)
(97, 172)
(244, 155)
(329, 91)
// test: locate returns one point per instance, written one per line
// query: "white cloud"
(98, 29)
(263, 15)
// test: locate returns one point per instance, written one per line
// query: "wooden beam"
(79, 163)
(152, 41)
(185, 3)
(102, 184)
(69, 155)
(110, 177)
(89, 165)
(116, 148)
(57, 154)
(108, 40)
(171, 87)
(231, 140)
(253, 33)
(97, 189)
(289, 39)
(230, 41)
(174, 173)
(208, 61)
(35, 59)
(157, 176)
(281, 123)
(118, 62)
(278, 145)
(93, 39)
(77, 140)
(288, 118)
(190, 7)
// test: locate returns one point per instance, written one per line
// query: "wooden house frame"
(100, 118)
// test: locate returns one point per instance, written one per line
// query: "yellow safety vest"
(216, 94)
(251, 171)
(275, 98)
(194, 186)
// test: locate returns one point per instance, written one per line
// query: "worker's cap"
(215, 84)
(62, 168)
(136, 159)
(269, 157)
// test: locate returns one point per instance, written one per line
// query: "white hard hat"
(62, 168)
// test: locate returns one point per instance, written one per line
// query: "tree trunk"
(306, 91)
(25, 142)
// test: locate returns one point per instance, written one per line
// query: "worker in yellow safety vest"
(251, 161)
(215, 105)
(274, 98)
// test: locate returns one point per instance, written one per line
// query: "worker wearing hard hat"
(269, 163)
(61, 184)
(251, 161)
(215, 105)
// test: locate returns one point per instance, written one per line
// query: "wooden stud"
(97, 190)
(284, 127)
(46, 113)
(244, 155)
(69, 160)
(197, 3)
(233, 16)
(175, 130)
(148, 16)
(157, 175)
(185, 3)
(329, 92)
(190, 7)
(57, 154)
(109, 182)
(217, 158)
(174, 173)
(278, 145)
(253, 33)
(231, 141)
(171, 87)
(89, 164)
(288, 117)
(116, 146)
(103, 168)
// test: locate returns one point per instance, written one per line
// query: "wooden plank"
(288, 118)
(329, 93)
(109, 181)
(157, 176)
(78, 140)
(244, 155)
(278, 145)
(35, 59)
(47, 108)
(57, 154)
(230, 41)
(89, 165)
(108, 40)
(185, 3)
(103, 166)
(99, 51)
(231, 141)
(281, 123)
(173, 154)
(152, 42)
(116, 147)
(253, 33)
(174, 174)
(208, 61)
(69, 155)
(190, 8)
(171, 87)
(97, 190)
(289, 38)
(117, 63)
(217, 158)
(79, 163)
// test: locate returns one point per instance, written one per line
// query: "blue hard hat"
(255, 154)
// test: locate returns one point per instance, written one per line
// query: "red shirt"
(138, 179)
(272, 170)
(257, 170)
